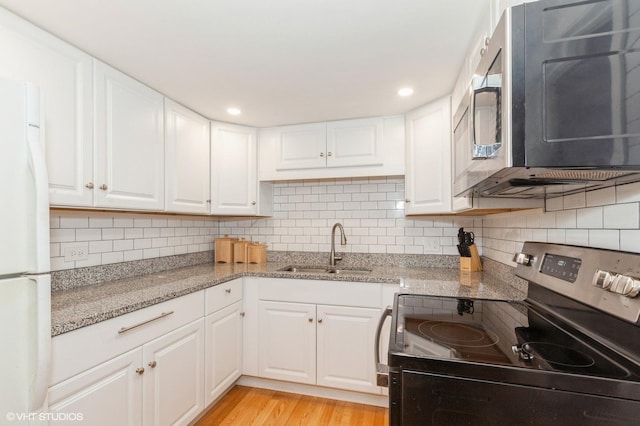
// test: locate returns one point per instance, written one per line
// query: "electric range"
(568, 354)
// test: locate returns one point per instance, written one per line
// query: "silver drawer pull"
(125, 329)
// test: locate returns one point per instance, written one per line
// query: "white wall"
(607, 218)
(372, 212)
(370, 209)
(119, 237)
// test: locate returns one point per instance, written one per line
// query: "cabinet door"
(301, 147)
(250, 329)
(428, 159)
(63, 74)
(108, 394)
(186, 159)
(287, 341)
(234, 173)
(355, 142)
(129, 141)
(346, 347)
(223, 350)
(174, 376)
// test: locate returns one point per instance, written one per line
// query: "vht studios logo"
(50, 417)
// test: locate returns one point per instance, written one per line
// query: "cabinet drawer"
(223, 295)
(338, 293)
(79, 350)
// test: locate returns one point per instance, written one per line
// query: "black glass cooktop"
(496, 333)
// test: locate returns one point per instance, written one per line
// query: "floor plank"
(251, 406)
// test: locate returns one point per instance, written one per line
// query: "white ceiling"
(280, 61)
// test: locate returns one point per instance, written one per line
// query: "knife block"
(473, 263)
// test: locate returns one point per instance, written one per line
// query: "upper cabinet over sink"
(347, 148)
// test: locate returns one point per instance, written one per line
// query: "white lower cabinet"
(174, 376)
(318, 344)
(108, 394)
(345, 343)
(142, 368)
(287, 341)
(223, 350)
(160, 383)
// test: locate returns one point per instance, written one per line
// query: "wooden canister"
(240, 251)
(257, 253)
(224, 249)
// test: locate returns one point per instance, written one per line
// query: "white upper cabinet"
(428, 177)
(186, 160)
(347, 148)
(354, 143)
(129, 133)
(233, 169)
(301, 147)
(64, 76)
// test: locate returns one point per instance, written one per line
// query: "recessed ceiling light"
(405, 91)
(233, 111)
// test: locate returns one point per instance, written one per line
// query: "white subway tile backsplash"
(628, 193)
(621, 216)
(574, 201)
(604, 238)
(73, 222)
(601, 197)
(630, 240)
(591, 217)
(372, 212)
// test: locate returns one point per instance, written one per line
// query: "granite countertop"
(75, 308)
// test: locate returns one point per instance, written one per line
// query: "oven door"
(426, 399)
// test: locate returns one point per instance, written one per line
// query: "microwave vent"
(599, 175)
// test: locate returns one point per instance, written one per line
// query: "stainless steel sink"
(326, 270)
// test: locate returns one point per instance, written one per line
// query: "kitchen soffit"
(281, 61)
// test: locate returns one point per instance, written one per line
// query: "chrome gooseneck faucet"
(343, 241)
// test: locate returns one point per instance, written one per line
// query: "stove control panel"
(621, 284)
(608, 280)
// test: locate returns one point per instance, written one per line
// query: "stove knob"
(625, 285)
(602, 279)
(517, 350)
(523, 259)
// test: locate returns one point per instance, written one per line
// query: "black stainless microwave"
(554, 105)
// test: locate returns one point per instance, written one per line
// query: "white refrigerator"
(25, 283)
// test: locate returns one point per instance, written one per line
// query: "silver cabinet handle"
(253, 203)
(320, 321)
(382, 370)
(228, 290)
(329, 154)
(209, 201)
(125, 329)
(152, 364)
(407, 200)
(104, 187)
(242, 314)
(89, 185)
(140, 371)
(322, 154)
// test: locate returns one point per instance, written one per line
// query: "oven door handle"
(382, 370)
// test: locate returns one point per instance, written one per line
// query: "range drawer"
(223, 295)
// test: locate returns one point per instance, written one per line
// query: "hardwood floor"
(251, 406)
